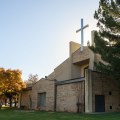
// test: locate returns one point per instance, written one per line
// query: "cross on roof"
(81, 29)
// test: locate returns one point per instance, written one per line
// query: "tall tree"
(10, 83)
(107, 39)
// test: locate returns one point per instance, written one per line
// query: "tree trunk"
(5, 102)
(15, 103)
(10, 100)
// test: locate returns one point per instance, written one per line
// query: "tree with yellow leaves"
(11, 83)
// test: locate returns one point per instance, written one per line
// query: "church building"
(74, 86)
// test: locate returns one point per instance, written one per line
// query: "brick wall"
(25, 99)
(102, 85)
(68, 95)
(41, 87)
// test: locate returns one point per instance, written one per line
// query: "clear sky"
(35, 34)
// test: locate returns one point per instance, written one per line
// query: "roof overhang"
(83, 62)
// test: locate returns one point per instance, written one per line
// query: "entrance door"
(99, 103)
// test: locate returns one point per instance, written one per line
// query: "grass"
(37, 115)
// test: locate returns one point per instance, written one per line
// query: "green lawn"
(26, 115)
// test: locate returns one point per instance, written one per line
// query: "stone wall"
(68, 95)
(42, 86)
(103, 85)
(25, 97)
(78, 55)
(88, 91)
(63, 71)
(73, 46)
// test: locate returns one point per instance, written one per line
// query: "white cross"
(81, 29)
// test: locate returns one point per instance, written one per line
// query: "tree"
(32, 79)
(107, 39)
(10, 83)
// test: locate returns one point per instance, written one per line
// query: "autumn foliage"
(10, 83)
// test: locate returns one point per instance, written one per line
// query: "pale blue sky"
(35, 34)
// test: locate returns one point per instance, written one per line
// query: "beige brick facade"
(103, 85)
(43, 86)
(26, 99)
(68, 96)
(69, 88)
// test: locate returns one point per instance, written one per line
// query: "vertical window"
(41, 99)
